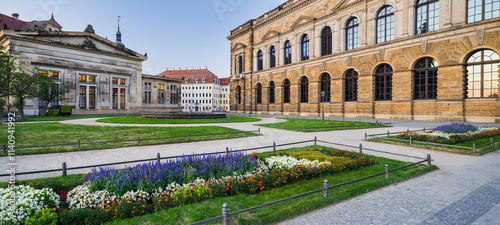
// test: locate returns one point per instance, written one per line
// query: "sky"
(174, 33)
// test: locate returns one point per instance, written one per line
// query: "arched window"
(304, 45)
(326, 41)
(326, 81)
(427, 16)
(383, 83)
(272, 57)
(478, 10)
(304, 90)
(351, 86)
(238, 94)
(288, 52)
(482, 74)
(286, 91)
(240, 64)
(426, 79)
(352, 34)
(385, 24)
(259, 93)
(260, 60)
(272, 93)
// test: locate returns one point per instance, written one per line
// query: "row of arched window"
(427, 19)
(482, 81)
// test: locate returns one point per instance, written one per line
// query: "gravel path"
(466, 189)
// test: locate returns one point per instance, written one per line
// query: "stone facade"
(450, 45)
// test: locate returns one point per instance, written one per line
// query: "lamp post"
(250, 109)
(323, 101)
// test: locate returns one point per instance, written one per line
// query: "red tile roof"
(10, 23)
(192, 75)
(225, 81)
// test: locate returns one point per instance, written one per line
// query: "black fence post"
(259, 130)
(361, 125)
(411, 140)
(387, 171)
(429, 160)
(360, 148)
(139, 140)
(158, 158)
(227, 150)
(315, 140)
(64, 168)
(274, 147)
(407, 130)
(388, 133)
(325, 188)
(366, 136)
(304, 128)
(474, 149)
(5, 148)
(345, 126)
(78, 143)
(189, 136)
(424, 129)
(491, 142)
(225, 212)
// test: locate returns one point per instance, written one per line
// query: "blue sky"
(174, 33)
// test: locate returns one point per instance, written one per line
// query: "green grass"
(318, 125)
(58, 118)
(57, 184)
(138, 120)
(40, 134)
(282, 211)
(431, 146)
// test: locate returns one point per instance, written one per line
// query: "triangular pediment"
(270, 34)
(238, 46)
(302, 20)
(343, 4)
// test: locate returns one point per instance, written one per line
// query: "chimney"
(16, 16)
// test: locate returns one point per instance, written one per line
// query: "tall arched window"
(482, 74)
(304, 45)
(240, 64)
(272, 92)
(383, 83)
(288, 52)
(426, 79)
(304, 90)
(326, 41)
(259, 93)
(351, 86)
(260, 60)
(479, 10)
(286, 91)
(385, 24)
(272, 57)
(352, 34)
(427, 16)
(238, 94)
(326, 81)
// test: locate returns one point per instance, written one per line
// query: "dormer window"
(203, 80)
(196, 80)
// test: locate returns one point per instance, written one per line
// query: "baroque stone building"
(99, 76)
(391, 59)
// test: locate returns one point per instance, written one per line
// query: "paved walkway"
(464, 191)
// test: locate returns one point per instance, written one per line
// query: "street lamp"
(323, 109)
(250, 109)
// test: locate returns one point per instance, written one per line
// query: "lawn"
(212, 207)
(137, 120)
(282, 211)
(319, 125)
(40, 134)
(58, 118)
(431, 146)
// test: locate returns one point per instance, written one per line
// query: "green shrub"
(43, 217)
(316, 155)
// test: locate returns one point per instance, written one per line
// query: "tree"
(22, 88)
(7, 68)
(48, 91)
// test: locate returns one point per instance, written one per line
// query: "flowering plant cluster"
(281, 162)
(29, 201)
(450, 138)
(456, 128)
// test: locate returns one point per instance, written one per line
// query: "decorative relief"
(382, 55)
(324, 65)
(405, 16)
(88, 44)
(303, 69)
(480, 36)
(448, 11)
(424, 46)
(349, 61)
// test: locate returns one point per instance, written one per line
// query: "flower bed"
(29, 201)
(451, 134)
(216, 176)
